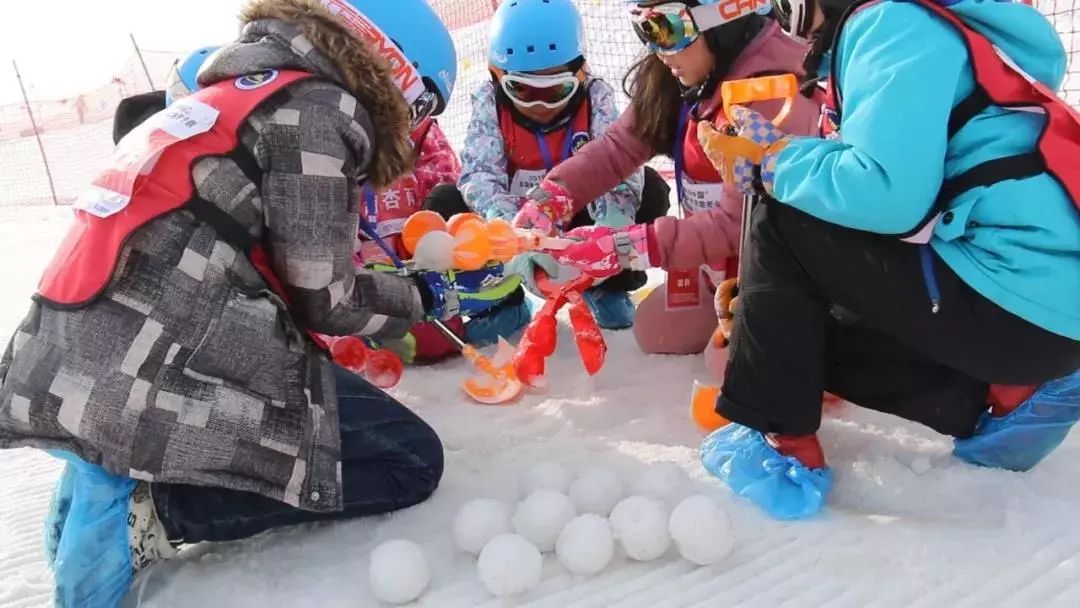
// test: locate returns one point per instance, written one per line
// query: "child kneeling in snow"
(951, 239)
(382, 216)
(691, 53)
(540, 106)
(169, 355)
(939, 239)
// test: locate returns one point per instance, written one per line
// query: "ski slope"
(906, 525)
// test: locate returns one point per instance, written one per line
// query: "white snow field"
(906, 525)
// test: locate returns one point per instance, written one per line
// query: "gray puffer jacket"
(188, 369)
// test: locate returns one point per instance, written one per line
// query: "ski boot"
(1019, 439)
(110, 532)
(612, 309)
(783, 474)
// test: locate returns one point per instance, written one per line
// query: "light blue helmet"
(531, 35)
(183, 77)
(417, 31)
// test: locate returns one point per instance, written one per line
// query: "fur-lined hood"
(303, 35)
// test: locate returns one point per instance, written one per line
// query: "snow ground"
(906, 525)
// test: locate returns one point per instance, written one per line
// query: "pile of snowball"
(580, 518)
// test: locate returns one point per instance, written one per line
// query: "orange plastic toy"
(703, 407)
(472, 247)
(419, 224)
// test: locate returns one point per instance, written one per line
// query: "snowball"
(398, 572)
(509, 564)
(541, 516)
(921, 464)
(545, 476)
(597, 490)
(701, 530)
(665, 481)
(640, 525)
(479, 521)
(434, 251)
(585, 545)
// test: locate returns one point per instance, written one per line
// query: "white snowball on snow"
(640, 524)
(545, 476)
(509, 564)
(398, 572)
(701, 530)
(479, 521)
(541, 517)
(921, 464)
(597, 490)
(586, 544)
(434, 251)
(665, 481)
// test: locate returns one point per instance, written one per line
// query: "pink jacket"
(705, 238)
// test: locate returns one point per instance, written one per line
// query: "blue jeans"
(390, 459)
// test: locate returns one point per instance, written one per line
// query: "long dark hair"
(656, 96)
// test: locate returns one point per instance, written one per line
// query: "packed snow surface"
(906, 524)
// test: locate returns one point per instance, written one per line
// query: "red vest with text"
(136, 189)
(393, 206)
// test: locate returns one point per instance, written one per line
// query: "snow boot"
(784, 475)
(1021, 438)
(110, 532)
(612, 309)
(501, 322)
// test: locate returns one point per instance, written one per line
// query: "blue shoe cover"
(1022, 438)
(92, 568)
(502, 322)
(781, 485)
(612, 309)
(59, 508)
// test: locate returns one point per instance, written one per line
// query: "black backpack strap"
(970, 107)
(1019, 166)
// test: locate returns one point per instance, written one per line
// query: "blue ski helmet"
(417, 38)
(531, 35)
(183, 77)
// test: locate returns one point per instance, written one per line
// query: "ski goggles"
(548, 91)
(669, 28)
(423, 107)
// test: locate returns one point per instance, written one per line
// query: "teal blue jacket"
(901, 69)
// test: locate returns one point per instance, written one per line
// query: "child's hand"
(544, 208)
(457, 293)
(738, 148)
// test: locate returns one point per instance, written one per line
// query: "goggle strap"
(708, 16)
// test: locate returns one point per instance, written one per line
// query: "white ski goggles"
(669, 28)
(549, 91)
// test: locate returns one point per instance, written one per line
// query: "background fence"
(48, 164)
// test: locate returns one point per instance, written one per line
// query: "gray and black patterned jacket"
(188, 369)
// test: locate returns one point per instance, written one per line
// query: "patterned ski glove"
(545, 208)
(744, 150)
(454, 293)
(604, 252)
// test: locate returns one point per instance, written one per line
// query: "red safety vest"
(150, 176)
(387, 210)
(694, 164)
(1000, 82)
(527, 160)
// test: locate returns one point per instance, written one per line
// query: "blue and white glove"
(524, 265)
(464, 293)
